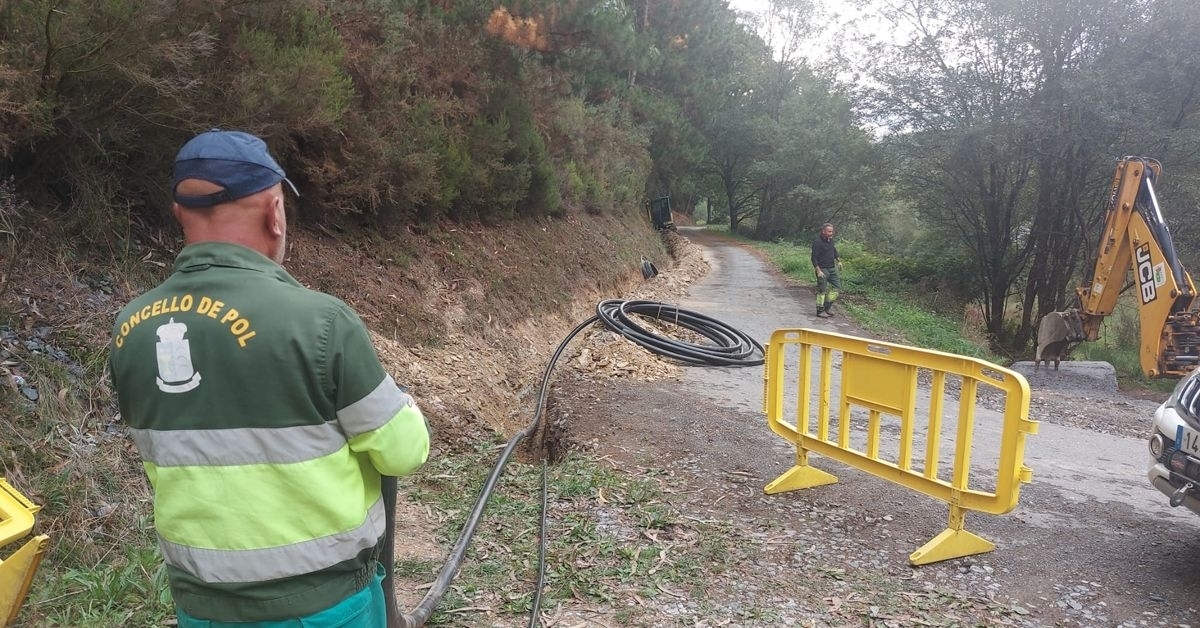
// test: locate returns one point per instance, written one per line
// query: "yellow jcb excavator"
(1134, 237)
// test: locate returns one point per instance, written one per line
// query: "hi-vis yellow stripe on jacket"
(264, 421)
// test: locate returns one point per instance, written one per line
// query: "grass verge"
(891, 314)
(62, 444)
(624, 549)
(64, 453)
(611, 534)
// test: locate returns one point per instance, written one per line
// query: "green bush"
(117, 86)
(881, 271)
(544, 198)
(290, 76)
(906, 317)
(609, 155)
(794, 261)
(574, 188)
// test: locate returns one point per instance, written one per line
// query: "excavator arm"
(1135, 237)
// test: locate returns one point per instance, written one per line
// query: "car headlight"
(1157, 445)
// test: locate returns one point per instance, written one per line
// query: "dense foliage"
(412, 111)
(978, 131)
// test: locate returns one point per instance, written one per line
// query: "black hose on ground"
(389, 486)
(438, 589)
(729, 347)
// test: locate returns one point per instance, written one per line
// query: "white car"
(1175, 445)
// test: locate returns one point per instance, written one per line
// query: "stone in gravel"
(1071, 376)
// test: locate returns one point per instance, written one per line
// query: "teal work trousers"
(365, 609)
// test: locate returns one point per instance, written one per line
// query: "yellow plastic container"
(16, 572)
(16, 514)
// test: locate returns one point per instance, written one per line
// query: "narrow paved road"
(743, 293)
(1091, 543)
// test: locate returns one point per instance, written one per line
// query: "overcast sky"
(834, 13)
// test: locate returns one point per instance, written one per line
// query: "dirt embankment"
(486, 338)
(463, 314)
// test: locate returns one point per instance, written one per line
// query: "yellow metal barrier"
(879, 387)
(16, 572)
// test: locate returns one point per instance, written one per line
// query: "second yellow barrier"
(888, 421)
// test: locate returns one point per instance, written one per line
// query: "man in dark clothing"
(826, 262)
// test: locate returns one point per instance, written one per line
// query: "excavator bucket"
(1058, 333)
(16, 572)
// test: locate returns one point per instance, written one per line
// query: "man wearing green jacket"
(261, 411)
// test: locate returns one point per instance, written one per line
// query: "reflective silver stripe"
(272, 563)
(276, 445)
(374, 410)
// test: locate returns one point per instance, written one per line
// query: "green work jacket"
(264, 421)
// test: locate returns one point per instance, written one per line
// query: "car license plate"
(1187, 440)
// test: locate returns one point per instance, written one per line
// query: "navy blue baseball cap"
(238, 162)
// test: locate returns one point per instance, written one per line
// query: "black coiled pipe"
(730, 347)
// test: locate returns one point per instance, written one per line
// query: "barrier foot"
(799, 477)
(949, 544)
(16, 575)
